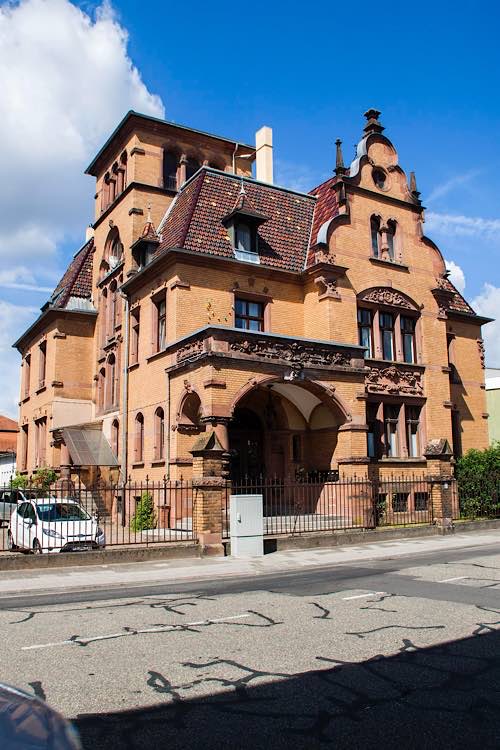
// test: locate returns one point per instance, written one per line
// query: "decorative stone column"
(210, 486)
(440, 475)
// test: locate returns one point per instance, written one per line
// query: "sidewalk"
(93, 577)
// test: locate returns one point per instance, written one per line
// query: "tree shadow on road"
(445, 696)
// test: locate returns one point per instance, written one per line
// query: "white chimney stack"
(264, 148)
(89, 233)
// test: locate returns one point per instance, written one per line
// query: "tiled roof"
(8, 425)
(455, 303)
(194, 221)
(77, 279)
(326, 206)
(8, 434)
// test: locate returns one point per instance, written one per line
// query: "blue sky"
(308, 71)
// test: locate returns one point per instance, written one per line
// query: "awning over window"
(88, 447)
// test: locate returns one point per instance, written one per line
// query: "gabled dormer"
(242, 223)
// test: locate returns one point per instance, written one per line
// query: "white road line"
(457, 578)
(362, 596)
(122, 634)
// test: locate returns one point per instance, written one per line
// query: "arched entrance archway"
(284, 430)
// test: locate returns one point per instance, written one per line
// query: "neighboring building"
(310, 331)
(493, 402)
(8, 441)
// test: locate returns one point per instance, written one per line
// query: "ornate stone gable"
(395, 381)
(386, 296)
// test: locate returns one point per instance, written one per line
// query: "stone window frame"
(378, 421)
(398, 339)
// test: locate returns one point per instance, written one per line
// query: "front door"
(245, 442)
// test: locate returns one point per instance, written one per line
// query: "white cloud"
(457, 225)
(297, 177)
(457, 276)
(66, 82)
(13, 320)
(487, 303)
(454, 182)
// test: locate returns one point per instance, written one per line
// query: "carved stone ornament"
(322, 255)
(480, 347)
(327, 287)
(296, 355)
(394, 381)
(386, 296)
(194, 349)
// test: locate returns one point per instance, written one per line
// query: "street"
(393, 652)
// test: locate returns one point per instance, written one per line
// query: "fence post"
(209, 492)
(440, 475)
(65, 484)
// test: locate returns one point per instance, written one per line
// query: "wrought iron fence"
(82, 517)
(301, 505)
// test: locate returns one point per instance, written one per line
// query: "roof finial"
(149, 212)
(373, 125)
(242, 188)
(413, 185)
(339, 160)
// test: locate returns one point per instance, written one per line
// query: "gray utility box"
(246, 525)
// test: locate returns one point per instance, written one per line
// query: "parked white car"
(9, 499)
(48, 525)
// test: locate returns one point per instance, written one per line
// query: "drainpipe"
(124, 426)
(167, 441)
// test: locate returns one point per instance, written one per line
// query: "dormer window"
(242, 224)
(244, 239)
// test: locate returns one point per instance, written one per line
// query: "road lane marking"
(362, 596)
(457, 578)
(122, 634)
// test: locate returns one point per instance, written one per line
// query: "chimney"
(264, 148)
(89, 233)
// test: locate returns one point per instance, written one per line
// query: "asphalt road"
(394, 653)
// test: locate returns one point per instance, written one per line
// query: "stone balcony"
(289, 353)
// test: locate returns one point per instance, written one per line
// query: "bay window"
(393, 430)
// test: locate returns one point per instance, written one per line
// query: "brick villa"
(310, 332)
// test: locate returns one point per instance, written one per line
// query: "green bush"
(478, 477)
(145, 516)
(43, 478)
(19, 482)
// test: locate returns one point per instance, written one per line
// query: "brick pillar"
(65, 485)
(209, 492)
(355, 488)
(440, 475)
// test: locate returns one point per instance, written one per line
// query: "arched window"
(375, 235)
(139, 439)
(170, 163)
(113, 249)
(391, 236)
(112, 307)
(112, 399)
(104, 317)
(159, 451)
(192, 166)
(115, 437)
(101, 388)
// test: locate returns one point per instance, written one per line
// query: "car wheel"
(10, 543)
(37, 550)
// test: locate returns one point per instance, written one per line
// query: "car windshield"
(62, 512)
